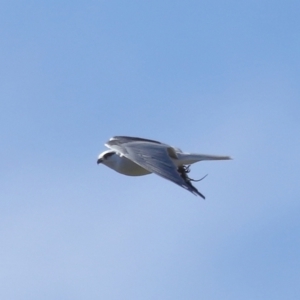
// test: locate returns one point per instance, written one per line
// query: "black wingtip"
(196, 192)
(183, 170)
(201, 195)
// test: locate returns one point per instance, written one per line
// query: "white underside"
(125, 166)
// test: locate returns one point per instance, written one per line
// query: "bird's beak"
(99, 161)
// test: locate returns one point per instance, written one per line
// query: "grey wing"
(155, 158)
(118, 140)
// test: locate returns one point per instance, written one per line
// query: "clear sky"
(218, 77)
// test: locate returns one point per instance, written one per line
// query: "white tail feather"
(190, 158)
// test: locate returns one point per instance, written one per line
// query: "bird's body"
(125, 166)
(137, 157)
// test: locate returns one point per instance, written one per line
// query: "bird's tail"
(190, 158)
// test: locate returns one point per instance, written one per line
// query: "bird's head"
(105, 156)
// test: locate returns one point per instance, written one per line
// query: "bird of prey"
(135, 156)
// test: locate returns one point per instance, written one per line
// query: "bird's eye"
(107, 155)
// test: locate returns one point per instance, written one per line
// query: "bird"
(134, 156)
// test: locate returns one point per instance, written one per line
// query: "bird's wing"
(154, 157)
(126, 139)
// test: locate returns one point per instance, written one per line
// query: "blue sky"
(206, 76)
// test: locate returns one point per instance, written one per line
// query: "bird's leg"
(183, 170)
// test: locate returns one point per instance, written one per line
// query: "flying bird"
(135, 156)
